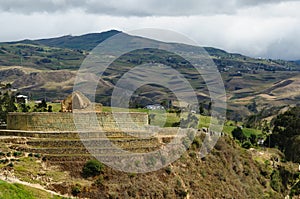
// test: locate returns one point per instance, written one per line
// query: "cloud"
(251, 27)
(133, 7)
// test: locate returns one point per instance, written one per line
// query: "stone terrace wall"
(65, 121)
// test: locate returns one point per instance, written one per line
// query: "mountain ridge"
(67, 41)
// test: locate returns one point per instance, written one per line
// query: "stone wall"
(66, 121)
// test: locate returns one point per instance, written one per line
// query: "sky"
(257, 28)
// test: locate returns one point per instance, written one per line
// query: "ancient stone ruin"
(77, 101)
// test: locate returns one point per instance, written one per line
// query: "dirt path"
(11, 180)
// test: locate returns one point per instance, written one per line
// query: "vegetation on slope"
(18, 191)
(286, 133)
(228, 171)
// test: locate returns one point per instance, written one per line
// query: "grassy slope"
(227, 172)
(18, 191)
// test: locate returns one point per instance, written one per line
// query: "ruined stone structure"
(77, 101)
(38, 121)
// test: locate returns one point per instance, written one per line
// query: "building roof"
(21, 96)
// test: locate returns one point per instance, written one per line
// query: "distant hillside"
(83, 42)
(36, 66)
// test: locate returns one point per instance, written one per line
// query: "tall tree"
(286, 133)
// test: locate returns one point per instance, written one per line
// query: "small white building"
(155, 107)
(22, 99)
(260, 142)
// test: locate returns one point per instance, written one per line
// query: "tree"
(41, 107)
(50, 108)
(253, 139)
(238, 134)
(201, 108)
(209, 107)
(7, 103)
(43, 104)
(286, 133)
(92, 168)
(24, 107)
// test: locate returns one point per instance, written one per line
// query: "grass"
(26, 167)
(248, 131)
(109, 109)
(18, 191)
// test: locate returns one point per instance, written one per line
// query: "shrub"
(197, 142)
(17, 153)
(247, 145)
(76, 189)
(4, 161)
(168, 170)
(276, 182)
(151, 161)
(192, 154)
(238, 134)
(92, 168)
(131, 175)
(253, 139)
(163, 159)
(181, 193)
(99, 181)
(37, 155)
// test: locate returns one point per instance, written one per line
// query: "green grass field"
(18, 191)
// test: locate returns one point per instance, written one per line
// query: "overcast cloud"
(265, 28)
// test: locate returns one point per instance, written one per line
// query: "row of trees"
(7, 104)
(286, 133)
(246, 142)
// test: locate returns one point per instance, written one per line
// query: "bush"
(92, 168)
(76, 189)
(99, 181)
(17, 153)
(276, 182)
(197, 142)
(247, 145)
(238, 134)
(253, 139)
(37, 155)
(168, 170)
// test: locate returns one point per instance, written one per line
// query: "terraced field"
(61, 148)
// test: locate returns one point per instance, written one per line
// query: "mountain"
(47, 67)
(83, 42)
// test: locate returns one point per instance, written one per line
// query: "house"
(260, 142)
(154, 107)
(22, 99)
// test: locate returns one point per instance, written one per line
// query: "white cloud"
(254, 28)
